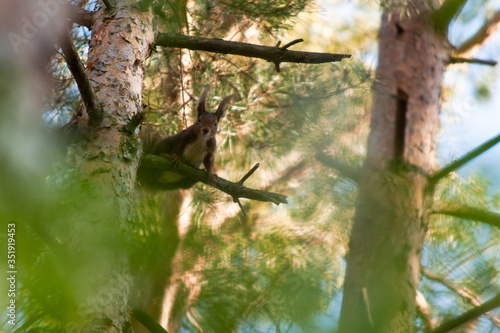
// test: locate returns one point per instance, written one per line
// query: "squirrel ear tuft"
(220, 110)
(201, 102)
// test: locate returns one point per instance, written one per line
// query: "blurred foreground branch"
(465, 212)
(469, 315)
(145, 319)
(463, 160)
(479, 38)
(343, 168)
(446, 13)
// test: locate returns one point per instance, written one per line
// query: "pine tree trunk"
(107, 162)
(391, 219)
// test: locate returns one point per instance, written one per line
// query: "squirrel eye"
(215, 123)
(199, 120)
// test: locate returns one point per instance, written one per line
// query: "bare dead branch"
(293, 42)
(147, 321)
(445, 14)
(469, 315)
(343, 168)
(463, 160)
(274, 54)
(465, 212)
(481, 36)
(460, 60)
(235, 190)
(82, 80)
(248, 174)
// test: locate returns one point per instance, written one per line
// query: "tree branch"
(460, 60)
(274, 54)
(465, 212)
(235, 190)
(469, 315)
(108, 4)
(463, 292)
(79, 15)
(478, 39)
(445, 14)
(463, 160)
(424, 311)
(84, 86)
(343, 168)
(147, 321)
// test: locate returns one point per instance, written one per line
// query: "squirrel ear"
(201, 102)
(220, 110)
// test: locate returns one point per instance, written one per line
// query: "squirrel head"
(207, 122)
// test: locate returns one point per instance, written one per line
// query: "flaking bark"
(391, 219)
(108, 161)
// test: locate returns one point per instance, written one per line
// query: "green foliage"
(460, 262)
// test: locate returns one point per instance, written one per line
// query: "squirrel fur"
(194, 145)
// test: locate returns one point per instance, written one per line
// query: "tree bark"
(107, 163)
(391, 219)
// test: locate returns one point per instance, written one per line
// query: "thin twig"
(248, 174)
(469, 315)
(241, 206)
(293, 42)
(463, 160)
(460, 60)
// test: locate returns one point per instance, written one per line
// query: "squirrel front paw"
(176, 159)
(212, 178)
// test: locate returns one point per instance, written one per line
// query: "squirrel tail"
(149, 138)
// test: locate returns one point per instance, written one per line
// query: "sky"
(466, 122)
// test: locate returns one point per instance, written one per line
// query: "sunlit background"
(281, 268)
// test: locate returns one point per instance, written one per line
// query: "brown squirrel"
(194, 145)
